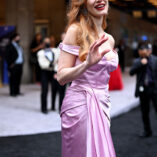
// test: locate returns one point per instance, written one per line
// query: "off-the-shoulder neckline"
(78, 47)
(73, 46)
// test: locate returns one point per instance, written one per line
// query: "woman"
(36, 46)
(86, 59)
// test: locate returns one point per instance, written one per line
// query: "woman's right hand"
(94, 55)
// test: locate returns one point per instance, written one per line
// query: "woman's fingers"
(103, 36)
(104, 52)
(91, 48)
(97, 41)
(100, 42)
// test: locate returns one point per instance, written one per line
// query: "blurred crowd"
(44, 55)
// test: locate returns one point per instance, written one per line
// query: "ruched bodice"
(86, 110)
(96, 76)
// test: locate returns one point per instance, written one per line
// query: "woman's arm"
(67, 72)
(39, 47)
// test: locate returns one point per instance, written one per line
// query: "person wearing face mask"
(46, 58)
(14, 58)
(57, 88)
(145, 68)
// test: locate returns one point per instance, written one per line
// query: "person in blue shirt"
(14, 58)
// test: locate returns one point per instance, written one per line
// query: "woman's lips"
(100, 7)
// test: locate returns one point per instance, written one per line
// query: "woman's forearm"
(35, 49)
(67, 75)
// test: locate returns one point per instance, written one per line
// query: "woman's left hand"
(94, 54)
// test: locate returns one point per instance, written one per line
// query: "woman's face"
(97, 8)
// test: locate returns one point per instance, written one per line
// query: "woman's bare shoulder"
(70, 37)
(111, 40)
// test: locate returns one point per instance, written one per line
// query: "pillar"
(20, 13)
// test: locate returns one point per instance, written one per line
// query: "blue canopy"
(5, 30)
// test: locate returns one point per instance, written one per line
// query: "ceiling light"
(151, 13)
(137, 14)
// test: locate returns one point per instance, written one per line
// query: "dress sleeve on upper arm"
(70, 49)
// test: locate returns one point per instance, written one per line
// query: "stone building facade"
(49, 17)
(31, 17)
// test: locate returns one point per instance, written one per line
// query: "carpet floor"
(125, 130)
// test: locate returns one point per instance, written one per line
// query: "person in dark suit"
(14, 58)
(145, 68)
(121, 52)
(155, 47)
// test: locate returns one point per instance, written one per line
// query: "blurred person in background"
(145, 68)
(36, 45)
(15, 59)
(135, 48)
(46, 60)
(57, 88)
(52, 41)
(121, 53)
(155, 47)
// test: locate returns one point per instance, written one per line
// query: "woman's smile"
(97, 8)
(100, 6)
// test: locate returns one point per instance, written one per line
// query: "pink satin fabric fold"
(99, 137)
(70, 48)
(85, 111)
(90, 127)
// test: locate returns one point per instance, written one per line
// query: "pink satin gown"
(85, 111)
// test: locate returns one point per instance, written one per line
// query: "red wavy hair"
(87, 32)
